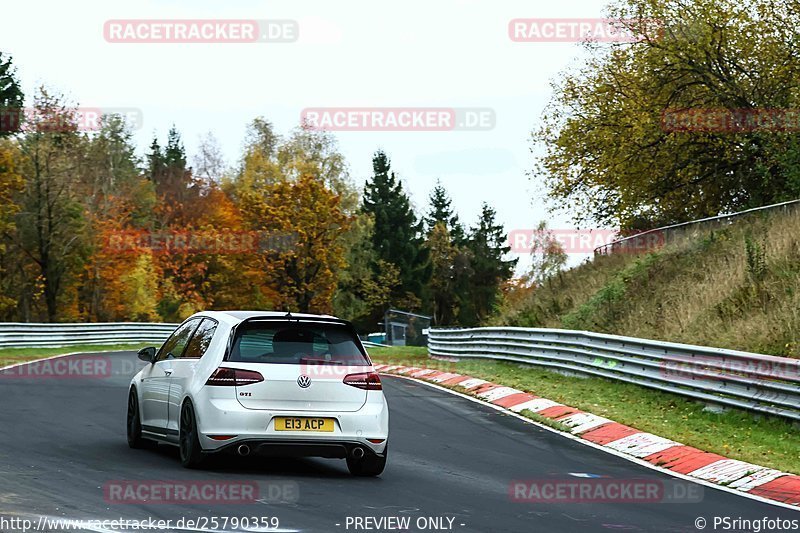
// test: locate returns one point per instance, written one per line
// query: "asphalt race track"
(62, 441)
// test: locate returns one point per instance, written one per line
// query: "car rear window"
(297, 343)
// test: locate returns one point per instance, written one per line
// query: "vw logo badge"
(304, 381)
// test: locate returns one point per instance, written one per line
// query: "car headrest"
(293, 335)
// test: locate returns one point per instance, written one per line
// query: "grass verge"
(767, 441)
(11, 356)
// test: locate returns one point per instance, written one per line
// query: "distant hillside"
(736, 286)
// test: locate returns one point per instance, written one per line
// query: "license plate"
(302, 423)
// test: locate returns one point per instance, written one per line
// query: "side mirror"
(148, 354)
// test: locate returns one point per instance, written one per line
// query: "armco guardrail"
(664, 235)
(760, 383)
(21, 335)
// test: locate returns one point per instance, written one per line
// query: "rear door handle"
(168, 372)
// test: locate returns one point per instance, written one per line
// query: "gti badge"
(304, 381)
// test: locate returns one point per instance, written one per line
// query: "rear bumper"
(296, 448)
(226, 417)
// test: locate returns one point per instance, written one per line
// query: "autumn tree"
(10, 184)
(258, 167)
(209, 162)
(442, 284)
(190, 205)
(178, 189)
(11, 100)
(307, 275)
(288, 188)
(50, 222)
(610, 152)
(306, 221)
(116, 198)
(309, 152)
(547, 255)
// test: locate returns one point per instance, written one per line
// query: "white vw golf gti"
(262, 383)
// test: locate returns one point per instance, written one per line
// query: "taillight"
(366, 381)
(233, 377)
(224, 437)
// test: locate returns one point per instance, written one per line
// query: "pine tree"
(11, 98)
(488, 245)
(174, 153)
(397, 235)
(441, 211)
(450, 259)
(155, 161)
(175, 186)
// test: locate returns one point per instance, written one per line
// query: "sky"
(350, 53)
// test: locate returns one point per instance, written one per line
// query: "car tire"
(370, 465)
(190, 450)
(135, 439)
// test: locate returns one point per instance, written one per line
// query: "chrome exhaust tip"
(243, 450)
(358, 452)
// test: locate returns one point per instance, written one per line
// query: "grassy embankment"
(736, 286)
